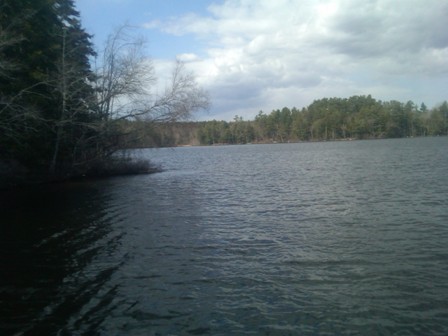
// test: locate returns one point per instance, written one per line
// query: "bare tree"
(126, 88)
(124, 75)
(181, 98)
(126, 79)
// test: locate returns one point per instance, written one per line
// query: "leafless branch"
(126, 78)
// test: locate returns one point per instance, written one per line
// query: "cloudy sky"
(254, 55)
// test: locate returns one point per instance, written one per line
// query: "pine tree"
(47, 101)
(77, 105)
(24, 91)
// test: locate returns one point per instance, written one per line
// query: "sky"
(253, 55)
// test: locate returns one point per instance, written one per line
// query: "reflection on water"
(300, 239)
(50, 239)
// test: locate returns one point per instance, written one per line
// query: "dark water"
(340, 238)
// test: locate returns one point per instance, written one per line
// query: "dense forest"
(60, 116)
(357, 117)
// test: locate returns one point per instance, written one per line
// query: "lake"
(329, 238)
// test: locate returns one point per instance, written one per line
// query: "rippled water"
(337, 238)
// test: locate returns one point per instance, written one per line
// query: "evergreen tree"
(77, 105)
(25, 93)
(46, 99)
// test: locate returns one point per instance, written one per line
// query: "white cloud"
(269, 54)
(188, 57)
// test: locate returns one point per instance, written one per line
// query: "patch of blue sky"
(100, 17)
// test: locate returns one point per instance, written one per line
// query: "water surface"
(345, 238)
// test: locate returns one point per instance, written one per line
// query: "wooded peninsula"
(64, 103)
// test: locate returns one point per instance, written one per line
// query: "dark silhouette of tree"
(58, 117)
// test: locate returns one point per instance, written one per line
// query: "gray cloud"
(271, 54)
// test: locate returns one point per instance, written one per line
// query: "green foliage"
(47, 105)
(357, 117)
(222, 132)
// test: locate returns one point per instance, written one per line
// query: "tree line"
(63, 103)
(357, 117)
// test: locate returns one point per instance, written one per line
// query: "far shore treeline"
(357, 117)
